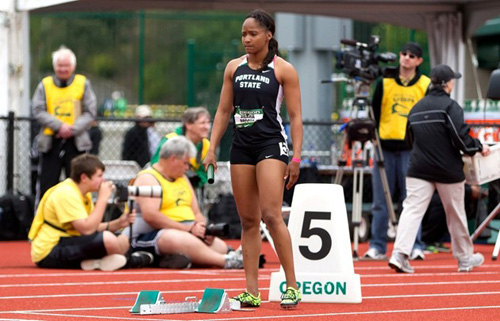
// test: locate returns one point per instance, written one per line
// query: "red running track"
(435, 292)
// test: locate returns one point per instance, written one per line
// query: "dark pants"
(52, 162)
(71, 251)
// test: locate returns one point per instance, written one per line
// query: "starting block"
(213, 301)
(216, 301)
(146, 297)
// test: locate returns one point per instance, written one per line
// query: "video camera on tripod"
(361, 60)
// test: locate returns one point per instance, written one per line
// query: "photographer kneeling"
(67, 231)
(172, 227)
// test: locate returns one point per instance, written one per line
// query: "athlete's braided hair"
(266, 21)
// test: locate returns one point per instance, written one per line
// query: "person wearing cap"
(392, 101)
(64, 105)
(437, 132)
(140, 141)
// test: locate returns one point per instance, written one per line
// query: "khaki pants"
(418, 196)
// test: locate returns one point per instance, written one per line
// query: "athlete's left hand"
(292, 173)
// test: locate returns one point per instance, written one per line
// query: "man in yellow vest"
(196, 127)
(64, 105)
(172, 228)
(393, 99)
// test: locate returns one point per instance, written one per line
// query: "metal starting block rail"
(213, 301)
(190, 305)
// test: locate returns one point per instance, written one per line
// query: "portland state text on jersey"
(251, 80)
(247, 117)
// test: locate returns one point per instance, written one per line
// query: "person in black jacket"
(141, 141)
(437, 132)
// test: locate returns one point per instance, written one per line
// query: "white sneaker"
(417, 254)
(471, 262)
(400, 263)
(373, 254)
(108, 263)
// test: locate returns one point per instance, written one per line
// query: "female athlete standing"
(253, 89)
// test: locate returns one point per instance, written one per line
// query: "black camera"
(123, 192)
(219, 229)
(361, 60)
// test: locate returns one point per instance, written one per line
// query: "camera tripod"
(357, 132)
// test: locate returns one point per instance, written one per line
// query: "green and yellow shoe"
(291, 298)
(248, 300)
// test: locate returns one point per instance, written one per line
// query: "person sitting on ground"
(67, 231)
(195, 126)
(172, 227)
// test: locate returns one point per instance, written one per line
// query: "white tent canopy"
(447, 22)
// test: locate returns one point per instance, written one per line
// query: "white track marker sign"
(321, 247)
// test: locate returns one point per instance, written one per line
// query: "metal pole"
(10, 152)
(142, 28)
(191, 63)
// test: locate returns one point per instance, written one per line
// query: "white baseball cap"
(143, 111)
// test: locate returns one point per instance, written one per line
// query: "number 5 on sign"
(321, 247)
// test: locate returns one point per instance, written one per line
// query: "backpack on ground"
(16, 215)
(224, 211)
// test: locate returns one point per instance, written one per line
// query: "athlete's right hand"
(210, 159)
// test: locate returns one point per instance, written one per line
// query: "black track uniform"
(257, 121)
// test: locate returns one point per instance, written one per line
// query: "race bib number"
(247, 117)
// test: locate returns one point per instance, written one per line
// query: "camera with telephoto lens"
(219, 229)
(123, 192)
(358, 59)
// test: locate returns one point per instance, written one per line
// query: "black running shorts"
(251, 155)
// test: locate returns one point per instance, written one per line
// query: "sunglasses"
(410, 55)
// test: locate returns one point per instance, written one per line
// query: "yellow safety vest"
(176, 197)
(64, 103)
(397, 102)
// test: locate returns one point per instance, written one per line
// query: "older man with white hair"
(64, 105)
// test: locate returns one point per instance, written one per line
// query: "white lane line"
(431, 283)
(422, 265)
(413, 275)
(164, 292)
(20, 320)
(107, 294)
(223, 272)
(262, 277)
(97, 317)
(298, 316)
(135, 282)
(429, 295)
(126, 282)
(135, 272)
(295, 316)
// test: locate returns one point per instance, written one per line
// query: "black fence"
(18, 158)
